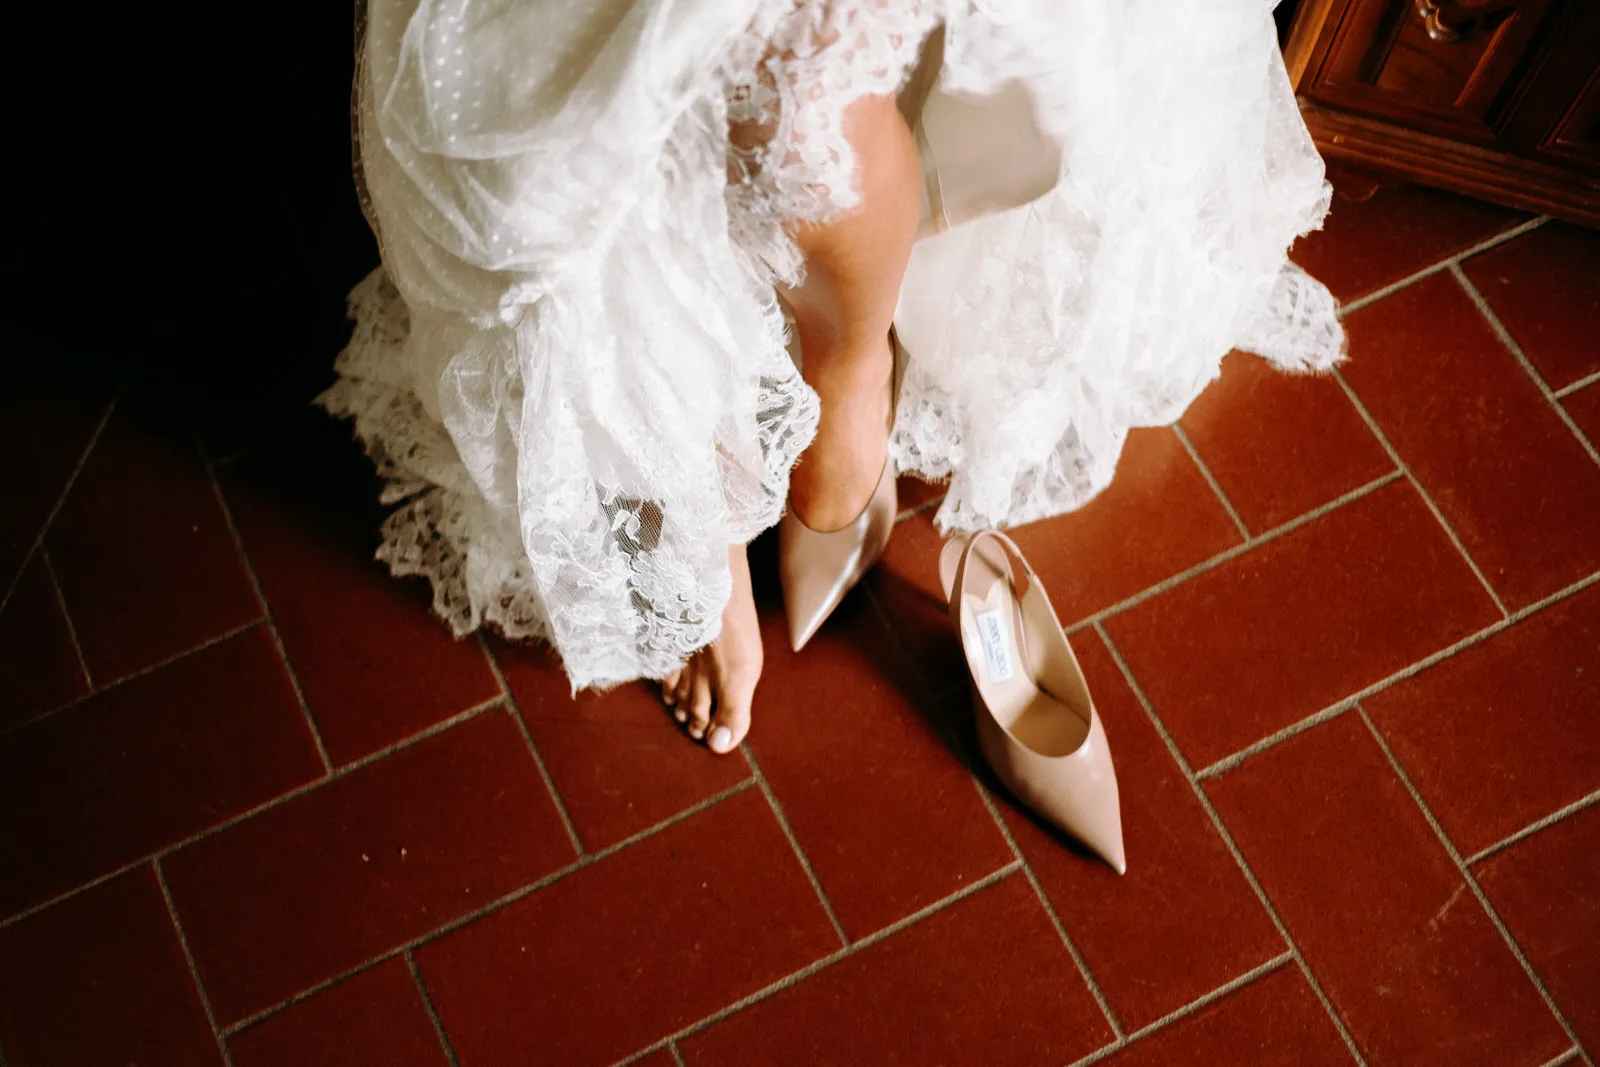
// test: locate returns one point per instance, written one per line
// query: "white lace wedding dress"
(571, 368)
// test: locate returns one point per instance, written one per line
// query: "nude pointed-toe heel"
(817, 568)
(1037, 723)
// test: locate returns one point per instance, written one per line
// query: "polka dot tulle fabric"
(571, 368)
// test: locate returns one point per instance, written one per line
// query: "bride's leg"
(712, 694)
(843, 311)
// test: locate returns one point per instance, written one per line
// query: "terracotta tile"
(147, 566)
(147, 764)
(1505, 471)
(375, 665)
(618, 760)
(659, 1058)
(1183, 920)
(906, 583)
(1515, 714)
(1158, 517)
(1383, 918)
(1281, 444)
(100, 979)
(865, 768)
(46, 422)
(1545, 288)
(1584, 407)
(39, 667)
(326, 881)
(913, 492)
(1365, 245)
(1275, 1021)
(1354, 183)
(984, 981)
(1546, 889)
(373, 1019)
(1297, 624)
(632, 948)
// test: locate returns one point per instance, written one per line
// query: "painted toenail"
(697, 732)
(721, 739)
(681, 715)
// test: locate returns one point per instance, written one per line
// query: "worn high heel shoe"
(818, 568)
(1036, 720)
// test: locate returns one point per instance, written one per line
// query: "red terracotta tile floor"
(258, 809)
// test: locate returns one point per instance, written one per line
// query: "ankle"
(850, 374)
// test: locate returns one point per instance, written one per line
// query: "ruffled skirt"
(571, 369)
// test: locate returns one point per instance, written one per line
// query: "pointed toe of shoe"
(1090, 813)
(804, 622)
(1106, 842)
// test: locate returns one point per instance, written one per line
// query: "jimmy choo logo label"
(996, 644)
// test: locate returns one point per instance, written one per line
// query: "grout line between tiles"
(140, 673)
(1211, 480)
(1427, 498)
(433, 1012)
(136, 674)
(1232, 846)
(61, 498)
(1197, 1004)
(533, 749)
(1515, 349)
(72, 631)
(489, 908)
(1577, 386)
(794, 842)
(1566, 1057)
(249, 813)
(1534, 827)
(1232, 553)
(1117, 1031)
(925, 506)
(795, 977)
(672, 1047)
(1227, 763)
(231, 457)
(1300, 726)
(194, 967)
(1472, 883)
(266, 611)
(1442, 265)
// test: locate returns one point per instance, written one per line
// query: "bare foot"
(836, 475)
(711, 696)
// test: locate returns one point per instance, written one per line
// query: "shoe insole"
(996, 635)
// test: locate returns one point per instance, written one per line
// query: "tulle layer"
(571, 370)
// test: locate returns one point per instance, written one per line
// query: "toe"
(685, 690)
(731, 722)
(669, 688)
(700, 706)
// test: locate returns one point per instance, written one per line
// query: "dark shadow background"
(183, 224)
(182, 219)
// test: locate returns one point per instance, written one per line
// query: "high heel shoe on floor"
(1037, 724)
(816, 568)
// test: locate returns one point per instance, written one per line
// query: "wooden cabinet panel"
(1557, 117)
(1496, 98)
(1443, 64)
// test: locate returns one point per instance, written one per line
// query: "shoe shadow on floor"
(935, 682)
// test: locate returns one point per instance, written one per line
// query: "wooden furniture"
(1498, 99)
